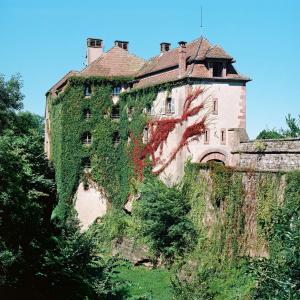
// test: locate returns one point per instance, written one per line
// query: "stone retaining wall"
(268, 155)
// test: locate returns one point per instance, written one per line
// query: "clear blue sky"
(43, 40)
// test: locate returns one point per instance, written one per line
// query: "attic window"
(86, 138)
(217, 69)
(115, 112)
(170, 108)
(87, 90)
(116, 91)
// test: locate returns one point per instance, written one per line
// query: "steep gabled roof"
(199, 49)
(115, 62)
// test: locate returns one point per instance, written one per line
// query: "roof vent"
(122, 44)
(164, 47)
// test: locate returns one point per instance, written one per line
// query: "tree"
(38, 259)
(10, 100)
(163, 213)
(293, 130)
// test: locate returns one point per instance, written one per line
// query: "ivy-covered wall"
(111, 152)
(246, 234)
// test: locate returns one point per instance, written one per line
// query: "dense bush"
(163, 214)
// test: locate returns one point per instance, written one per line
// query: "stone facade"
(268, 155)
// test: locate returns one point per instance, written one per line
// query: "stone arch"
(217, 155)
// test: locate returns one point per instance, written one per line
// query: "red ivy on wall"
(159, 130)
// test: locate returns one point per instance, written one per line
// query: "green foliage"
(163, 214)
(279, 276)
(145, 284)
(293, 130)
(10, 100)
(39, 260)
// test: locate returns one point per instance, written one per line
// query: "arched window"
(87, 114)
(86, 138)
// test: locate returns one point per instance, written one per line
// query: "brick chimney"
(94, 49)
(122, 44)
(182, 58)
(164, 47)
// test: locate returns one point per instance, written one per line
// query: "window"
(87, 90)
(116, 138)
(86, 162)
(215, 106)
(115, 112)
(87, 113)
(217, 69)
(145, 135)
(86, 138)
(206, 136)
(116, 91)
(223, 136)
(170, 109)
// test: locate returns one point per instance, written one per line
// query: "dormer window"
(170, 107)
(87, 90)
(217, 69)
(116, 91)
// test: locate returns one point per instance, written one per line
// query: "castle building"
(197, 113)
(189, 66)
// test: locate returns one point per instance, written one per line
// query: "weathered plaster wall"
(90, 204)
(269, 155)
(230, 113)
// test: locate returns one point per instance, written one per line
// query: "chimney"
(94, 49)
(182, 58)
(164, 47)
(122, 44)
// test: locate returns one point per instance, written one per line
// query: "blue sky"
(43, 40)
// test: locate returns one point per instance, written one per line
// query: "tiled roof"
(115, 62)
(159, 69)
(62, 81)
(197, 50)
(164, 67)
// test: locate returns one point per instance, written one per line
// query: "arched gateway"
(215, 155)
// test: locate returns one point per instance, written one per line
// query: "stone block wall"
(268, 155)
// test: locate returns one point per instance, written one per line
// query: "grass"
(146, 284)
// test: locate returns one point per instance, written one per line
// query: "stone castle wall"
(268, 155)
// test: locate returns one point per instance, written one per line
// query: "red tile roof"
(159, 69)
(115, 62)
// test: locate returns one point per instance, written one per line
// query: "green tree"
(10, 100)
(163, 213)
(38, 259)
(293, 130)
